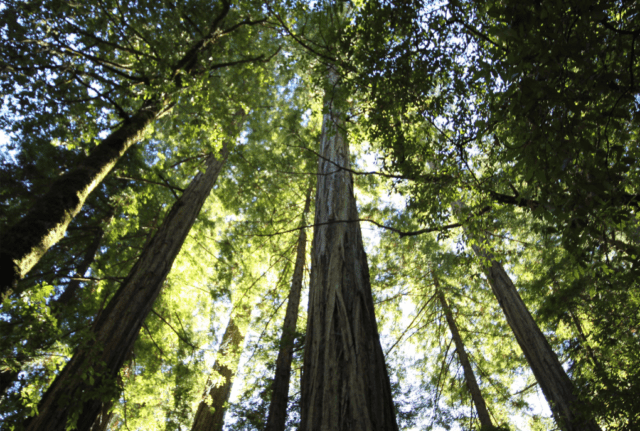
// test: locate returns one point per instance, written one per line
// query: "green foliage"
(524, 112)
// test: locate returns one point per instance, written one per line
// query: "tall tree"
(23, 244)
(345, 384)
(569, 412)
(469, 375)
(280, 390)
(76, 396)
(211, 411)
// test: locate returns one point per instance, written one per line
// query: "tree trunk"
(22, 246)
(210, 415)
(345, 385)
(469, 375)
(568, 411)
(280, 394)
(88, 380)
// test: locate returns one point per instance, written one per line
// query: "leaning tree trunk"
(88, 380)
(210, 413)
(345, 385)
(570, 414)
(469, 375)
(280, 393)
(22, 246)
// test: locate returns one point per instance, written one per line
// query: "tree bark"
(469, 375)
(280, 393)
(210, 416)
(22, 246)
(88, 380)
(345, 385)
(569, 413)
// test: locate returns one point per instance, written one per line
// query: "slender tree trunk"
(280, 394)
(345, 385)
(22, 246)
(88, 379)
(469, 375)
(210, 415)
(568, 411)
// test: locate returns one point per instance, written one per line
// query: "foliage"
(524, 112)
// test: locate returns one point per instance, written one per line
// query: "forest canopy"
(367, 215)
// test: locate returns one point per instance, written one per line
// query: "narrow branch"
(259, 58)
(609, 26)
(144, 325)
(165, 184)
(431, 178)
(392, 229)
(96, 279)
(245, 22)
(303, 44)
(174, 330)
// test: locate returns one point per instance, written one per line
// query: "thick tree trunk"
(469, 375)
(210, 415)
(22, 246)
(280, 394)
(88, 379)
(345, 385)
(567, 410)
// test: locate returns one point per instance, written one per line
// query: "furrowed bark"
(280, 394)
(345, 385)
(568, 411)
(22, 246)
(469, 375)
(210, 417)
(88, 380)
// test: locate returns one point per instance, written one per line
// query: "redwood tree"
(210, 413)
(569, 412)
(345, 385)
(469, 375)
(76, 396)
(280, 392)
